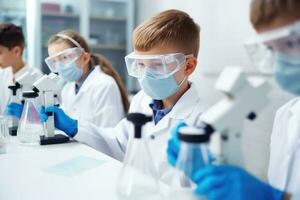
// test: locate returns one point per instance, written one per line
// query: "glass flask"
(30, 127)
(4, 136)
(193, 155)
(138, 178)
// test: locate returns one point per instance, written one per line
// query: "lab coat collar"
(183, 107)
(87, 83)
(181, 110)
(295, 107)
(21, 71)
(186, 104)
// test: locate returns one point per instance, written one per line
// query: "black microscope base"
(13, 131)
(56, 139)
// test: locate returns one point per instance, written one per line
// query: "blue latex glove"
(61, 120)
(232, 183)
(14, 109)
(174, 144)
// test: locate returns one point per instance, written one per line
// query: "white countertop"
(65, 171)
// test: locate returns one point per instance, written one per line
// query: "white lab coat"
(98, 100)
(6, 79)
(284, 166)
(113, 141)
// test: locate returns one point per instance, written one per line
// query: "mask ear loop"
(185, 77)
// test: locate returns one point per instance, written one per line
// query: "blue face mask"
(287, 73)
(159, 89)
(70, 72)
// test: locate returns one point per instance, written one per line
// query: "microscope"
(27, 79)
(244, 98)
(49, 86)
(23, 83)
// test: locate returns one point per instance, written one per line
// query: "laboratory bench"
(57, 172)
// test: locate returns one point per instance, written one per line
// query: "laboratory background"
(107, 25)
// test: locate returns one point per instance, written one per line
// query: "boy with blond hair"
(165, 55)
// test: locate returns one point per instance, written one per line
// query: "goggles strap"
(64, 36)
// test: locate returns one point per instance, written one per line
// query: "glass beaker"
(30, 127)
(4, 136)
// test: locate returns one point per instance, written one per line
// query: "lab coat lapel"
(86, 85)
(291, 134)
(293, 127)
(181, 110)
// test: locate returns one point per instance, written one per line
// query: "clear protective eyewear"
(160, 66)
(263, 48)
(66, 56)
(63, 58)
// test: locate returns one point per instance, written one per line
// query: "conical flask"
(138, 177)
(194, 154)
(30, 127)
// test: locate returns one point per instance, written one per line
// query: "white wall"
(225, 26)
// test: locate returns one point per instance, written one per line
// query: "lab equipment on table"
(4, 135)
(244, 97)
(13, 120)
(138, 177)
(193, 154)
(14, 109)
(49, 86)
(27, 79)
(30, 127)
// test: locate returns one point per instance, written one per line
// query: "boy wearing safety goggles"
(12, 65)
(165, 55)
(277, 23)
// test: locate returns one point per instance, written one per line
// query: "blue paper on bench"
(74, 166)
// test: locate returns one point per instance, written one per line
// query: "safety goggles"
(160, 66)
(265, 46)
(63, 58)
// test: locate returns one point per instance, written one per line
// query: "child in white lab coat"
(165, 55)
(277, 23)
(12, 65)
(94, 91)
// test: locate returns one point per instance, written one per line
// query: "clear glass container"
(193, 155)
(4, 136)
(30, 127)
(138, 178)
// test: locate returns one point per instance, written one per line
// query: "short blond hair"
(171, 27)
(263, 12)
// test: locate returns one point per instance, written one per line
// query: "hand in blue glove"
(61, 120)
(14, 109)
(174, 144)
(232, 183)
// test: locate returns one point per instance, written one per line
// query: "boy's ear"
(190, 65)
(17, 50)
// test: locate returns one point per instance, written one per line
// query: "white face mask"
(159, 89)
(70, 72)
(287, 73)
